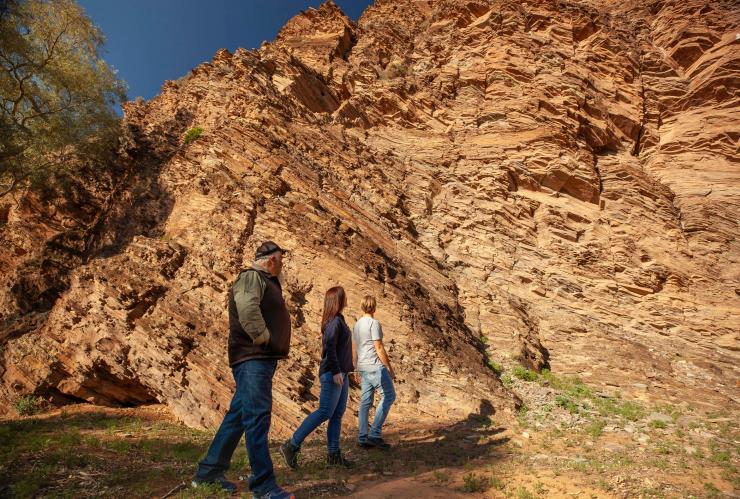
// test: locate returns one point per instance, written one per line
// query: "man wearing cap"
(259, 336)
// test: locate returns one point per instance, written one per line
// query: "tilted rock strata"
(555, 182)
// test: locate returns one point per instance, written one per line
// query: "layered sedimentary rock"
(553, 182)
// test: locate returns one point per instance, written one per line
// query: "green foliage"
(657, 424)
(609, 406)
(441, 476)
(475, 483)
(495, 367)
(56, 93)
(596, 428)
(717, 454)
(571, 385)
(27, 405)
(712, 490)
(193, 134)
(206, 490)
(566, 402)
(524, 493)
(507, 381)
(524, 374)
(521, 416)
(497, 483)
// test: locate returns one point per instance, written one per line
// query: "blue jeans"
(249, 414)
(332, 403)
(379, 379)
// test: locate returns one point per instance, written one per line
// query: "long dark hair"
(334, 302)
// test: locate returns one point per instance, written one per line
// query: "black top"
(336, 347)
(277, 320)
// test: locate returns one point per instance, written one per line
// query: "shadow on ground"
(95, 452)
(415, 451)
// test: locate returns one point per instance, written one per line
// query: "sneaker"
(221, 481)
(378, 443)
(290, 454)
(276, 493)
(364, 444)
(337, 459)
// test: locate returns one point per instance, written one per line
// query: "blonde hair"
(368, 304)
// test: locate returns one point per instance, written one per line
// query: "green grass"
(204, 491)
(50, 457)
(568, 403)
(523, 373)
(497, 483)
(611, 406)
(495, 367)
(507, 381)
(441, 476)
(717, 454)
(28, 405)
(712, 491)
(475, 483)
(193, 134)
(596, 428)
(521, 416)
(657, 424)
(524, 493)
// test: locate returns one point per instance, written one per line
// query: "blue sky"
(150, 41)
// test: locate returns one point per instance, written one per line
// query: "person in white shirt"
(371, 360)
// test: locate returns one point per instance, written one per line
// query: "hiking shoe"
(290, 454)
(378, 443)
(221, 481)
(337, 459)
(364, 444)
(276, 493)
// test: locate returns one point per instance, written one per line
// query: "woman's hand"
(339, 379)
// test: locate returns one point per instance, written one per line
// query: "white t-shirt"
(366, 331)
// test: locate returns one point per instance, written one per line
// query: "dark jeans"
(249, 414)
(332, 403)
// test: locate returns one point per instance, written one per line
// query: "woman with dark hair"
(336, 363)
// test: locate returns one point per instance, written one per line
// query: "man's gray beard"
(281, 278)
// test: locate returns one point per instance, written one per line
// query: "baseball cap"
(268, 248)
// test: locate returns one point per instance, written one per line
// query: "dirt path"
(567, 442)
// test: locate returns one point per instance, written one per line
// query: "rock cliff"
(555, 183)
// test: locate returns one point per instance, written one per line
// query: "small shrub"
(495, 367)
(507, 381)
(193, 134)
(718, 455)
(609, 406)
(596, 428)
(28, 404)
(524, 493)
(539, 489)
(496, 483)
(712, 491)
(567, 403)
(475, 483)
(482, 420)
(657, 424)
(441, 476)
(523, 373)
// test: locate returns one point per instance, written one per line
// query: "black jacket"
(336, 347)
(259, 322)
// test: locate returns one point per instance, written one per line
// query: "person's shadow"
(416, 451)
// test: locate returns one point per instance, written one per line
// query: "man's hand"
(263, 338)
(339, 379)
(356, 377)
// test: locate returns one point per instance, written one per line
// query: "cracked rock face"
(554, 183)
